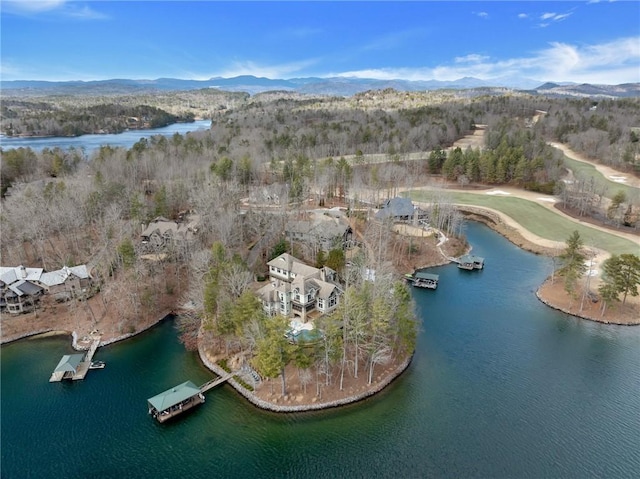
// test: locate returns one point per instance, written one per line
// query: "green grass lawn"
(540, 221)
(587, 170)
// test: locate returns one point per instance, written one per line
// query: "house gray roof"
(166, 227)
(11, 274)
(173, 396)
(69, 363)
(269, 291)
(324, 227)
(54, 278)
(396, 207)
(25, 287)
(291, 263)
(326, 289)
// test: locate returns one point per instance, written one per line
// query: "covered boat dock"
(68, 367)
(174, 401)
(425, 280)
(76, 366)
(470, 262)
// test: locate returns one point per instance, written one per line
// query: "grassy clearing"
(540, 221)
(587, 170)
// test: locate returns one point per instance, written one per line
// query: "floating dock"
(421, 279)
(470, 262)
(75, 366)
(180, 398)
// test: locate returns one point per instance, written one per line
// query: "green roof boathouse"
(174, 401)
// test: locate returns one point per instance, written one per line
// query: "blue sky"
(589, 41)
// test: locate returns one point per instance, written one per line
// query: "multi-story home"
(21, 288)
(298, 290)
(162, 231)
(320, 235)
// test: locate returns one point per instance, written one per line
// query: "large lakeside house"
(297, 290)
(21, 288)
(162, 232)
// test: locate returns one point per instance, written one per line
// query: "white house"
(297, 289)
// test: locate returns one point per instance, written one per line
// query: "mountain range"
(338, 86)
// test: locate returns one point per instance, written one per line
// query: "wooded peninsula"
(280, 237)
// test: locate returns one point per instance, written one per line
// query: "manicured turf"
(586, 170)
(540, 221)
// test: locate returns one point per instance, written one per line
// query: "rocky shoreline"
(273, 407)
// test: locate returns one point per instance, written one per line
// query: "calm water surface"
(92, 142)
(500, 386)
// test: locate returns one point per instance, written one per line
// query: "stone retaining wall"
(269, 406)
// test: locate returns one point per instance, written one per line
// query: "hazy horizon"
(67, 40)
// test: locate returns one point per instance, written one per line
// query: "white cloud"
(613, 62)
(62, 8)
(284, 70)
(472, 58)
(523, 15)
(31, 6)
(549, 17)
(481, 14)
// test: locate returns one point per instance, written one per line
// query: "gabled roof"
(11, 274)
(173, 396)
(54, 278)
(292, 264)
(269, 292)
(396, 207)
(323, 228)
(165, 226)
(69, 363)
(326, 289)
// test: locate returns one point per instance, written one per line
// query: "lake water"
(500, 386)
(92, 142)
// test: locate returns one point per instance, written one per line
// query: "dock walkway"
(80, 371)
(215, 382)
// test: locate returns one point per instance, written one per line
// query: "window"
(333, 300)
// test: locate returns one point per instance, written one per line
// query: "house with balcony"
(19, 289)
(22, 288)
(67, 282)
(161, 232)
(298, 290)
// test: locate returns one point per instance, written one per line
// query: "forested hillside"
(78, 115)
(264, 161)
(312, 147)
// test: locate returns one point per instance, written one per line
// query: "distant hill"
(340, 86)
(589, 90)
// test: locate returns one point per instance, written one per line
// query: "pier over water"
(181, 398)
(76, 366)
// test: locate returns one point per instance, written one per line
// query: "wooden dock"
(181, 398)
(79, 371)
(215, 382)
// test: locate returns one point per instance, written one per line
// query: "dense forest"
(78, 115)
(266, 156)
